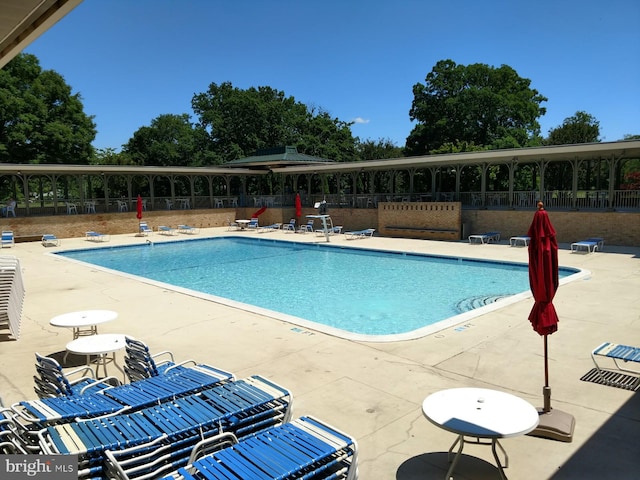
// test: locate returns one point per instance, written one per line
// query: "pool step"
(472, 303)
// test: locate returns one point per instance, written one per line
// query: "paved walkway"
(374, 390)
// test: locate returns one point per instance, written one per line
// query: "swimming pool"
(352, 292)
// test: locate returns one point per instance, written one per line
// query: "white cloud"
(360, 120)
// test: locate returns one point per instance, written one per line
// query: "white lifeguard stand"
(327, 223)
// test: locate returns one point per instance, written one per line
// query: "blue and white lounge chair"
(618, 353)
(165, 230)
(368, 232)
(336, 230)
(482, 238)
(253, 224)
(308, 227)
(50, 240)
(588, 246)
(269, 228)
(7, 239)
(187, 229)
(291, 226)
(96, 236)
(145, 229)
(52, 381)
(141, 364)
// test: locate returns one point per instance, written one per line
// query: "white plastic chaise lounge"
(291, 226)
(50, 240)
(188, 229)
(96, 236)
(618, 353)
(367, 232)
(165, 230)
(307, 227)
(232, 225)
(269, 228)
(522, 241)
(482, 238)
(336, 230)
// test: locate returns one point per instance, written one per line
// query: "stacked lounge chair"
(12, 294)
(302, 448)
(167, 432)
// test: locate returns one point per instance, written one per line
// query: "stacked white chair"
(11, 294)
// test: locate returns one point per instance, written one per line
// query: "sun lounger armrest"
(210, 445)
(159, 354)
(102, 384)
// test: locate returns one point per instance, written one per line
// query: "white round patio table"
(480, 416)
(84, 322)
(100, 346)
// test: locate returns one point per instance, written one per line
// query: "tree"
(40, 120)
(240, 122)
(580, 128)
(476, 104)
(170, 140)
(378, 149)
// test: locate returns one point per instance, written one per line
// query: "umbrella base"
(555, 425)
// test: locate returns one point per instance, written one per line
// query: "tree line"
(458, 108)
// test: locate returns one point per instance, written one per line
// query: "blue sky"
(358, 60)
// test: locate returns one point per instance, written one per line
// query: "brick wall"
(427, 220)
(615, 227)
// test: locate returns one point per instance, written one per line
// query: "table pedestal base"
(102, 360)
(461, 440)
(81, 332)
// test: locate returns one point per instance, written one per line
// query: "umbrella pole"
(553, 424)
(546, 390)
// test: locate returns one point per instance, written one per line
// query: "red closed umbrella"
(543, 272)
(543, 280)
(298, 206)
(139, 208)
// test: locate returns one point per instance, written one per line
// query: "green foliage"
(40, 120)
(457, 147)
(477, 104)
(580, 128)
(377, 149)
(170, 140)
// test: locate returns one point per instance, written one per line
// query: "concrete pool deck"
(374, 391)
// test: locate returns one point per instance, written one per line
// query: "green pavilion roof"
(277, 157)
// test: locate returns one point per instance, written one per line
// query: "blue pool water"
(368, 292)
